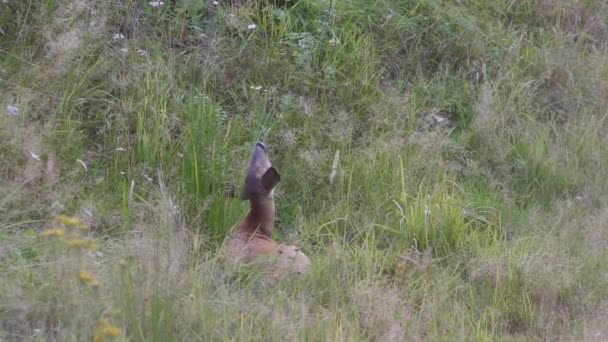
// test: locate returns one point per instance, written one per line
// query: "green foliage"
(535, 175)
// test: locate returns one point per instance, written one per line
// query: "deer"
(252, 241)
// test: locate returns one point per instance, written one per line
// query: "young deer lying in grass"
(252, 241)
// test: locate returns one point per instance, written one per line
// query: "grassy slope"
(491, 226)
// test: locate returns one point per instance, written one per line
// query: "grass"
(468, 202)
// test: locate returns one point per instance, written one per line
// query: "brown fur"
(252, 241)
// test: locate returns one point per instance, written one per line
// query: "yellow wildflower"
(83, 227)
(67, 220)
(94, 284)
(83, 243)
(115, 312)
(104, 330)
(57, 232)
(86, 276)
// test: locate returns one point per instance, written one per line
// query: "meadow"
(442, 164)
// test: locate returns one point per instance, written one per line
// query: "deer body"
(252, 241)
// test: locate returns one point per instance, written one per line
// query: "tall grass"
(468, 201)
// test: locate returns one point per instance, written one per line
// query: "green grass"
(469, 202)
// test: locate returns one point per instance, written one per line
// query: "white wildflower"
(215, 3)
(143, 53)
(156, 3)
(120, 149)
(34, 156)
(252, 26)
(439, 118)
(256, 87)
(118, 36)
(334, 41)
(13, 110)
(124, 50)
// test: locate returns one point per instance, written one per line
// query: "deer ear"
(270, 179)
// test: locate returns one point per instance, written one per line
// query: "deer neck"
(260, 219)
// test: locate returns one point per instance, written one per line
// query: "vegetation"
(469, 200)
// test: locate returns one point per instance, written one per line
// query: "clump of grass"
(535, 175)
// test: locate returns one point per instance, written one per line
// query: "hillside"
(468, 202)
